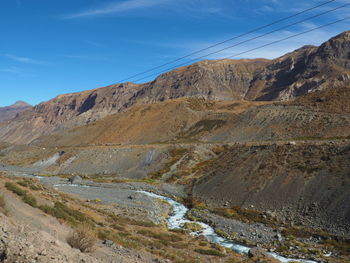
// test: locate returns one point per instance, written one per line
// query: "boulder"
(261, 255)
(75, 179)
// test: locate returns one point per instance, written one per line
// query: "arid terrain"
(257, 149)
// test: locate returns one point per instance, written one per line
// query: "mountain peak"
(9, 112)
(342, 36)
(21, 103)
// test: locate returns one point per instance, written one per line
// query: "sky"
(51, 47)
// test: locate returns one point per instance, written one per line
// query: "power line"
(240, 43)
(228, 40)
(286, 38)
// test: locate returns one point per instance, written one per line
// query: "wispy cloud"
(84, 57)
(117, 7)
(10, 70)
(16, 72)
(24, 59)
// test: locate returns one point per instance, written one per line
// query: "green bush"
(15, 189)
(30, 200)
(23, 183)
(61, 211)
(29, 184)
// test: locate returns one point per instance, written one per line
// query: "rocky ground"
(28, 235)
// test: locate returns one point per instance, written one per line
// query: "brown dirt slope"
(151, 123)
(320, 115)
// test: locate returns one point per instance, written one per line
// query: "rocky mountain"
(9, 112)
(322, 114)
(300, 72)
(305, 70)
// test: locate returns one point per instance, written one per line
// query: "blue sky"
(50, 47)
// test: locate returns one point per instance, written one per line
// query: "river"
(178, 219)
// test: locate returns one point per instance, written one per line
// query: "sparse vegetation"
(83, 238)
(191, 202)
(30, 200)
(199, 104)
(121, 181)
(342, 246)
(61, 211)
(27, 198)
(195, 227)
(245, 215)
(201, 127)
(29, 184)
(160, 236)
(15, 189)
(210, 252)
(175, 155)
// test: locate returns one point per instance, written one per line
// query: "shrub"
(30, 200)
(61, 211)
(29, 184)
(194, 227)
(15, 189)
(23, 183)
(83, 238)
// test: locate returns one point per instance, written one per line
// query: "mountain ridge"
(297, 73)
(9, 112)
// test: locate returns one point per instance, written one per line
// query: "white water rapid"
(178, 219)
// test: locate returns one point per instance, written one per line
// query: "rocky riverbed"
(130, 198)
(125, 199)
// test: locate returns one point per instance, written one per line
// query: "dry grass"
(2, 202)
(82, 238)
(3, 207)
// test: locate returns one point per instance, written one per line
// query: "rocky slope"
(300, 72)
(319, 115)
(305, 70)
(308, 184)
(9, 112)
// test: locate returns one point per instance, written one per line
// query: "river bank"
(141, 198)
(128, 199)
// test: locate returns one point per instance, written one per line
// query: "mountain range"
(306, 70)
